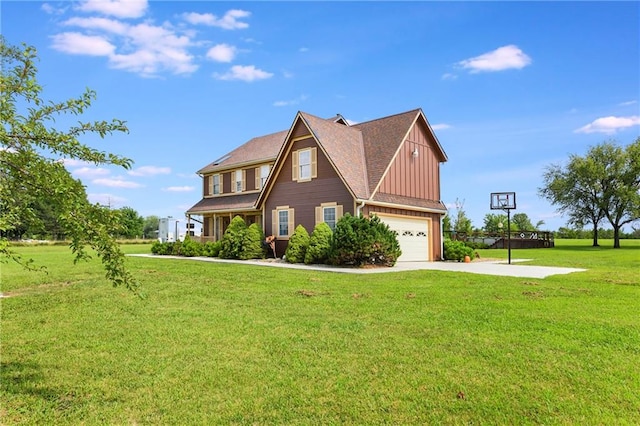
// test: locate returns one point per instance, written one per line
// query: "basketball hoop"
(505, 201)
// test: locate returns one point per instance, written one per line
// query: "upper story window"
(215, 185)
(304, 158)
(237, 183)
(262, 173)
(305, 165)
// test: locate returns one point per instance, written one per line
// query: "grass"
(239, 344)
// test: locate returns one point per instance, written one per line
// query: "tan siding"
(304, 197)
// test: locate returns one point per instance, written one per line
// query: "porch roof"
(224, 204)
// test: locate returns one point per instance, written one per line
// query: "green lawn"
(239, 344)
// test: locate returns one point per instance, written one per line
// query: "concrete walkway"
(498, 268)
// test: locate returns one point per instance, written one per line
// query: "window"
(238, 177)
(328, 213)
(305, 165)
(282, 221)
(329, 216)
(262, 173)
(215, 190)
(304, 158)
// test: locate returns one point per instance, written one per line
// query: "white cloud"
(441, 126)
(52, 10)
(503, 58)
(72, 162)
(80, 44)
(609, 125)
(245, 73)
(106, 199)
(301, 98)
(230, 20)
(222, 53)
(628, 103)
(449, 76)
(105, 24)
(146, 49)
(91, 172)
(179, 189)
(303, 49)
(116, 183)
(118, 8)
(150, 171)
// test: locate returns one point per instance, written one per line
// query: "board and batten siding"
(411, 176)
(304, 197)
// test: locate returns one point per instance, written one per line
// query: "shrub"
(176, 248)
(298, 244)
(359, 241)
(190, 248)
(456, 250)
(212, 249)
(319, 244)
(233, 238)
(252, 247)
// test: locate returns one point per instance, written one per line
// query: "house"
(320, 169)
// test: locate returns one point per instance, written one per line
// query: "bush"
(298, 244)
(176, 248)
(359, 241)
(190, 248)
(456, 250)
(252, 247)
(319, 244)
(162, 249)
(233, 238)
(212, 249)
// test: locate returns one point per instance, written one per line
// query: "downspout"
(359, 208)
(441, 239)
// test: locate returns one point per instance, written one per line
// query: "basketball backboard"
(503, 200)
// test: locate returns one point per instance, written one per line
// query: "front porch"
(215, 224)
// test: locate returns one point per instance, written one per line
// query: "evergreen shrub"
(191, 248)
(298, 244)
(252, 247)
(319, 244)
(212, 249)
(233, 238)
(359, 241)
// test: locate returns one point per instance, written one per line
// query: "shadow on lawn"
(26, 378)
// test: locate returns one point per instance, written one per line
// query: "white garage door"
(413, 236)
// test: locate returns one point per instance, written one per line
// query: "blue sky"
(509, 87)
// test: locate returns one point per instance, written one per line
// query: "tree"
(31, 165)
(319, 244)
(461, 223)
(521, 222)
(605, 183)
(150, 227)
(492, 222)
(575, 192)
(619, 183)
(298, 245)
(131, 222)
(232, 242)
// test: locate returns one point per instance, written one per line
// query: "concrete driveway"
(484, 267)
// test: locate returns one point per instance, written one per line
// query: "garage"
(413, 236)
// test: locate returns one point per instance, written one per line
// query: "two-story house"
(319, 169)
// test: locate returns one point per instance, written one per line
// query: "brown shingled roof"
(262, 148)
(343, 145)
(382, 138)
(231, 203)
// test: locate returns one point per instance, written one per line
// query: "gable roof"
(343, 147)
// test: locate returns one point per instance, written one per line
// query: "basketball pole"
(509, 234)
